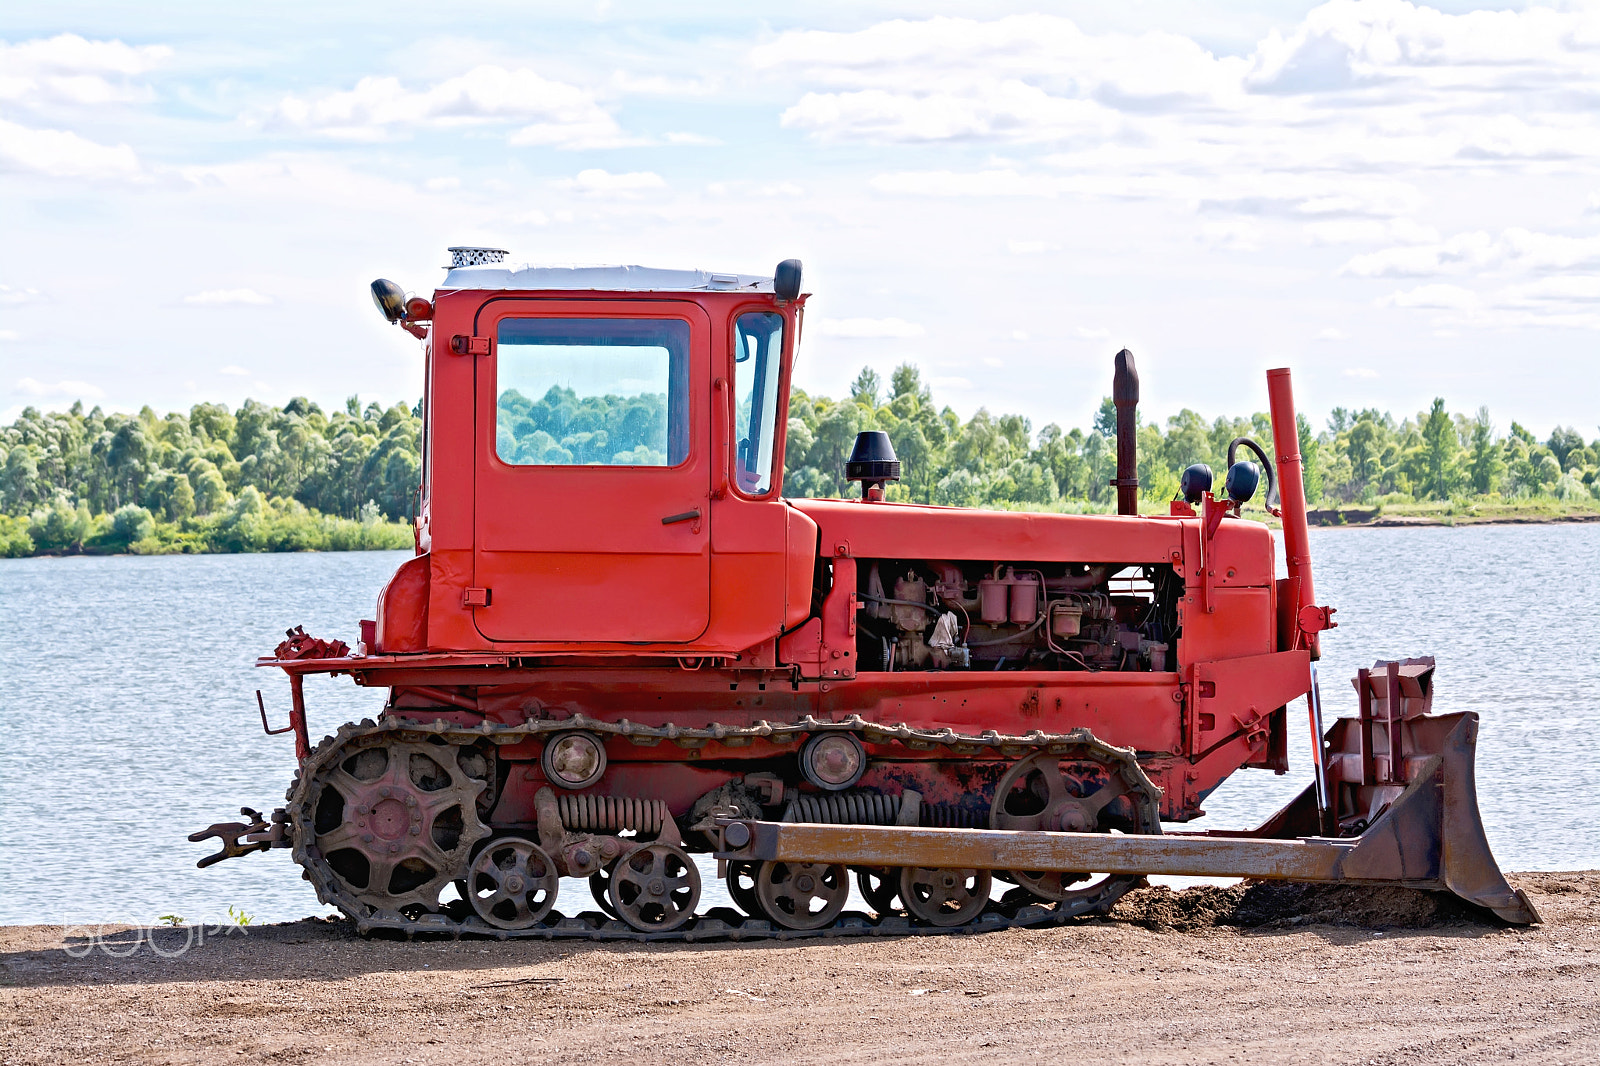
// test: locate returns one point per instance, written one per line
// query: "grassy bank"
(251, 523)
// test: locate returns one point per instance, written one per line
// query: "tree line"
(263, 478)
(259, 478)
(1362, 457)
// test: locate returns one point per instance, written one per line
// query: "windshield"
(758, 357)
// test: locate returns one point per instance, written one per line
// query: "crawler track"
(718, 923)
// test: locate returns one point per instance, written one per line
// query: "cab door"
(593, 473)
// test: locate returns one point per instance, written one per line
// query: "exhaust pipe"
(1292, 497)
(1125, 394)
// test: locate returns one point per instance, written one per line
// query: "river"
(128, 717)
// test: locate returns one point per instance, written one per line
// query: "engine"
(941, 615)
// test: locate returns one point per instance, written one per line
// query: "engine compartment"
(920, 614)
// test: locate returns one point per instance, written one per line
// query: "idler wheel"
(573, 760)
(879, 886)
(656, 888)
(945, 897)
(833, 761)
(802, 895)
(512, 883)
(741, 882)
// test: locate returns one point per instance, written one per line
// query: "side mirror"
(786, 279)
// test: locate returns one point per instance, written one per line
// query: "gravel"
(1264, 973)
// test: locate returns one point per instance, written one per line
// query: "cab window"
(592, 392)
(757, 358)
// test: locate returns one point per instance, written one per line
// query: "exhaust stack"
(1292, 494)
(1125, 394)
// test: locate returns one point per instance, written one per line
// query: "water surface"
(128, 718)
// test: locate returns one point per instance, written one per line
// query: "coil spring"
(949, 816)
(844, 808)
(612, 814)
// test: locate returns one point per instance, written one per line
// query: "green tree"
(1485, 465)
(1440, 445)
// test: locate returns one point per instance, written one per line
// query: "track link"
(719, 923)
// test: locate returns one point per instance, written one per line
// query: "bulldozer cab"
(593, 471)
(622, 440)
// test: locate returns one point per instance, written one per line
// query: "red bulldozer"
(617, 646)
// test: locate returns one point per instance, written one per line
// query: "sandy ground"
(1167, 979)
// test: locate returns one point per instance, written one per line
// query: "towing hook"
(257, 833)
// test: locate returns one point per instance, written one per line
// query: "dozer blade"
(1424, 834)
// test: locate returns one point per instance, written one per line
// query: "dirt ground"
(1254, 974)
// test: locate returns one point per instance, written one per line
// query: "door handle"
(722, 429)
(686, 516)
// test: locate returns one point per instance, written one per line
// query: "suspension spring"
(844, 808)
(949, 816)
(612, 814)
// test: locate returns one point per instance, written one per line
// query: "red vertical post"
(297, 716)
(1292, 490)
(1391, 703)
(1364, 727)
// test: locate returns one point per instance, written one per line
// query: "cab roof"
(598, 278)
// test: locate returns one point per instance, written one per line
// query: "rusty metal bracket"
(262, 706)
(257, 833)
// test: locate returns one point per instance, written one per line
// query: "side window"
(757, 359)
(592, 392)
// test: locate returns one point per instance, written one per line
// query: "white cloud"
(1563, 301)
(1332, 334)
(1089, 334)
(69, 69)
(1304, 127)
(1019, 335)
(1476, 251)
(977, 183)
(59, 389)
(235, 371)
(991, 361)
(1232, 236)
(1031, 247)
(556, 114)
(1358, 372)
(971, 57)
(8, 336)
(447, 184)
(1369, 231)
(953, 383)
(601, 181)
(870, 328)
(691, 139)
(657, 85)
(1582, 289)
(10, 297)
(63, 154)
(228, 298)
(1008, 109)
(1433, 297)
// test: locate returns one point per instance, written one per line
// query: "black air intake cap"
(872, 460)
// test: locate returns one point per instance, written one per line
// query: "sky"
(1397, 201)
